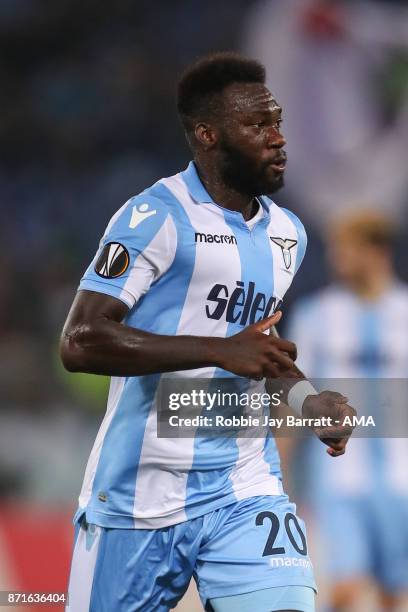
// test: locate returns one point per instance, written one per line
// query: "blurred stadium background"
(88, 119)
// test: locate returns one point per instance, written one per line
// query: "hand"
(254, 354)
(334, 405)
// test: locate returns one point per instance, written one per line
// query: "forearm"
(114, 349)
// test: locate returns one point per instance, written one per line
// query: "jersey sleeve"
(136, 249)
(301, 237)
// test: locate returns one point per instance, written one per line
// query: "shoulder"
(286, 217)
(146, 210)
(300, 228)
(284, 212)
(400, 289)
(397, 297)
(289, 228)
(148, 201)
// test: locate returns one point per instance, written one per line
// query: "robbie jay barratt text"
(266, 421)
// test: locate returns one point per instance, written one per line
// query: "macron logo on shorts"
(139, 214)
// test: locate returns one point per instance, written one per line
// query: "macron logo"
(139, 214)
(218, 238)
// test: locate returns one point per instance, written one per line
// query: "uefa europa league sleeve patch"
(113, 261)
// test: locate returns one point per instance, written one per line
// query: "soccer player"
(361, 500)
(188, 276)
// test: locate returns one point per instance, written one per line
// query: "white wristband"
(299, 393)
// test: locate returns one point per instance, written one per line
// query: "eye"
(278, 123)
(259, 124)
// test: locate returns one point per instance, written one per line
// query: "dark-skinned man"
(188, 279)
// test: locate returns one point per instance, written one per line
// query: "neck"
(223, 194)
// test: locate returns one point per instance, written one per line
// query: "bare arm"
(95, 340)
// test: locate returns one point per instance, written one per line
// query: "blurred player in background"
(188, 275)
(361, 500)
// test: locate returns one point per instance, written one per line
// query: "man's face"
(352, 259)
(251, 156)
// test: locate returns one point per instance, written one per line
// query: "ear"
(206, 135)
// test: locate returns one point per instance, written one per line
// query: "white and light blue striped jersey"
(184, 266)
(341, 336)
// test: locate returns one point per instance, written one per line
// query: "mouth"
(278, 164)
(278, 168)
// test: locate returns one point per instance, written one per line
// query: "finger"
(283, 361)
(337, 398)
(287, 346)
(268, 322)
(337, 434)
(336, 444)
(334, 453)
(341, 400)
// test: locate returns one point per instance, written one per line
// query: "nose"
(276, 140)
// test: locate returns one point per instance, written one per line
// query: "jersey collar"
(194, 185)
(199, 193)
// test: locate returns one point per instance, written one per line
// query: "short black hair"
(201, 83)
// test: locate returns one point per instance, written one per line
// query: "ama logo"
(242, 305)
